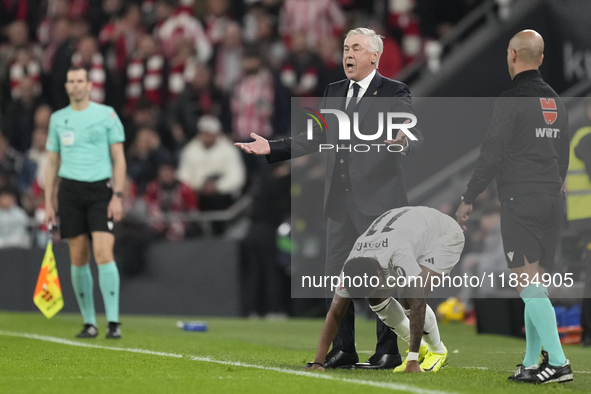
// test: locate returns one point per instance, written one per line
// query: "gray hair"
(375, 40)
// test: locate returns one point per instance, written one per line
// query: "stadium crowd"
(165, 64)
(188, 78)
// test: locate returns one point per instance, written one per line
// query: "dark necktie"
(353, 101)
(342, 156)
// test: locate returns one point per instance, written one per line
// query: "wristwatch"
(118, 194)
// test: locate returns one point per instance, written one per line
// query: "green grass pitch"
(241, 356)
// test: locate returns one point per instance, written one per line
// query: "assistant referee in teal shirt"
(85, 144)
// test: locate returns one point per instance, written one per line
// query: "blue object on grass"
(192, 325)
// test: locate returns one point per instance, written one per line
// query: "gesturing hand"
(260, 146)
(463, 213)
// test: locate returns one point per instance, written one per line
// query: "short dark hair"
(360, 267)
(78, 68)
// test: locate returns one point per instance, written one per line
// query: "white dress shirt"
(363, 85)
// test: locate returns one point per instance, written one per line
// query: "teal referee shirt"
(83, 140)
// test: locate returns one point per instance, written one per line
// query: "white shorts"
(446, 252)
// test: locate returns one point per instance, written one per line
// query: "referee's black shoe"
(339, 359)
(89, 331)
(524, 374)
(113, 330)
(548, 373)
(381, 361)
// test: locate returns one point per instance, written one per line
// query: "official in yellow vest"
(578, 209)
(578, 181)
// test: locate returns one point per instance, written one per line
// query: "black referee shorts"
(82, 207)
(530, 225)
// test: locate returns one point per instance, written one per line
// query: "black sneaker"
(548, 373)
(113, 330)
(524, 374)
(89, 331)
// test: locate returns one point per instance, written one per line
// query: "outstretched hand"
(463, 213)
(260, 146)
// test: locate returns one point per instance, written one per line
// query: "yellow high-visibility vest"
(578, 184)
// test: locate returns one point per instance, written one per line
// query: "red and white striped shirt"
(19, 70)
(252, 106)
(183, 26)
(144, 77)
(317, 18)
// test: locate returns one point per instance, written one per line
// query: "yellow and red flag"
(48, 292)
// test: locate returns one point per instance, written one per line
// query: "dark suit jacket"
(377, 181)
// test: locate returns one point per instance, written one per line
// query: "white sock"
(431, 332)
(392, 314)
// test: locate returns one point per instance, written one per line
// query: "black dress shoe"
(340, 359)
(381, 361)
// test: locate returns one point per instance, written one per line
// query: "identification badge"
(67, 138)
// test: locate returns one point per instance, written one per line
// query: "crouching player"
(404, 247)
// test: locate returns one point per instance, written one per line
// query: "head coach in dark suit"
(359, 186)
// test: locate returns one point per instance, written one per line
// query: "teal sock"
(109, 284)
(533, 343)
(539, 309)
(82, 284)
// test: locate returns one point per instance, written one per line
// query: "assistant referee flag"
(48, 292)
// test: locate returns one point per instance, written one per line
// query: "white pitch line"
(509, 370)
(385, 385)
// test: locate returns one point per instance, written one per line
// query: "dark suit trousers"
(345, 224)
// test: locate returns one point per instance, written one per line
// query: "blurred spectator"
(121, 37)
(300, 72)
(62, 60)
(15, 10)
(78, 8)
(60, 34)
(175, 25)
(402, 20)
(169, 195)
(330, 51)
(212, 166)
(89, 57)
(33, 200)
(199, 98)
(42, 116)
(317, 18)
(144, 157)
(38, 155)
(253, 98)
(17, 169)
(19, 116)
(182, 68)
(56, 10)
(147, 115)
(217, 20)
(228, 58)
(13, 222)
(24, 66)
(145, 74)
(18, 44)
(103, 12)
(268, 41)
